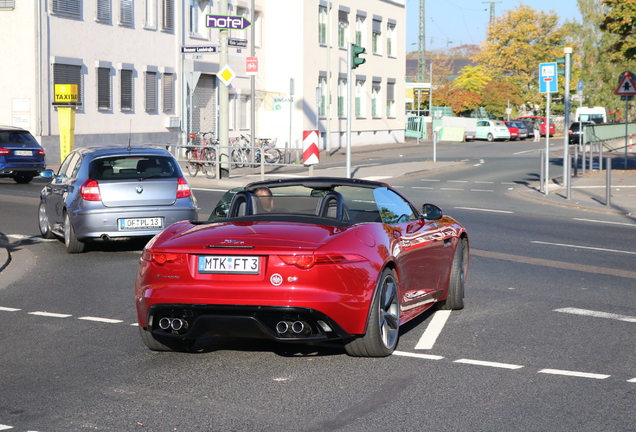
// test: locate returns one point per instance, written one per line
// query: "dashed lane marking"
(485, 210)
(584, 247)
(597, 314)
(97, 319)
(606, 222)
(488, 363)
(50, 314)
(433, 330)
(573, 373)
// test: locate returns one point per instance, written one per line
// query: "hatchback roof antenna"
(129, 134)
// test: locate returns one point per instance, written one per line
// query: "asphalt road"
(545, 343)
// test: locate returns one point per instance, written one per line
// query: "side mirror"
(47, 174)
(431, 212)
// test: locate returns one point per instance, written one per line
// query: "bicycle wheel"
(192, 164)
(239, 159)
(209, 159)
(272, 155)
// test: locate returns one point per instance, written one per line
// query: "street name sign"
(231, 22)
(241, 43)
(198, 49)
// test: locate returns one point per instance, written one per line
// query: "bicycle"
(239, 152)
(266, 146)
(201, 158)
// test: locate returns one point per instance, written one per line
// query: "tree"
(516, 43)
(620, 20)
(472, 78)
(459, 99)
(498, 95)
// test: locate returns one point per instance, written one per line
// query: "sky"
(451, 23)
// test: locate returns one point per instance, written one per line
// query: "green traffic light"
(355, 52)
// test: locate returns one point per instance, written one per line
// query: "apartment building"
(146, 70)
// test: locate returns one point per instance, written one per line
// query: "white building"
(134, 77)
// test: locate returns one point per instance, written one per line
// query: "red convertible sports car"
(302, 260)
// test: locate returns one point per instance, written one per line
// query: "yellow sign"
(65, 93)
(226, 75)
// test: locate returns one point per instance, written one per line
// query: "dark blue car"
(21, 156)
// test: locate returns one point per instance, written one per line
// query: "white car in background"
(492, 130)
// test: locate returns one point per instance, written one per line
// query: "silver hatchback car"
(108, 193)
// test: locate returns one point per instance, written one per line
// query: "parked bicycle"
(201, 157)
(239, 153)
(266, 146)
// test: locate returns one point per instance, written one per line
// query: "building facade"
(147, 69)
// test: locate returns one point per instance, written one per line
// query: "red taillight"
(90, 191)
(307, 261)
(4, 151)
(41, 152)
(183, 188)
(160, 257)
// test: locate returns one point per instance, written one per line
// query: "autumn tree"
(460, 100)
(498, 95)
(620, 20)
(472, 78)
(516, 43)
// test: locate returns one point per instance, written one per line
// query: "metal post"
(541, 158)
(547, 142)
(568, 173)
(583, 153)
(224, 100)
(626, 127)
(349, 75)
(608, 182)
(568, 52)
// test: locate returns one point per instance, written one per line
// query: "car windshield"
(132, 167)
(16, 137)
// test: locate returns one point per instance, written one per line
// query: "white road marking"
(452, 189)
(525, 151)
(30, 238)
(422, 356)
(573, 373)
(8, 309)
(606, 222)
(433, 330)
(597, 314)
(584, 247)
(431, 180)
(377, 178)
(50, 314)
(484, 182)
(5, 427)
(632, 380)
(490, 364)
(422, 187)
(457, 181)
(482, 190)
(484, 210)
(104, 320)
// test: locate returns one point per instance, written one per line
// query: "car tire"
(23, 178)
(43, 222)
(383, 327)
(490, 137)
(73, 245)
(455, 295)
(155, 343)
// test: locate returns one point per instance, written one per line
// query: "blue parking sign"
(548, 78)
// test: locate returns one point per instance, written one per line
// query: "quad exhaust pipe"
(175, 324)
(295, 327)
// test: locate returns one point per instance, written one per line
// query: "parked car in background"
(598, 115)
(528, 125)
(522, 129)
(575, 132)
(21, 156)
(114, 193)
(492, 130)
(312, 260)
(513, 128)
(543, 122)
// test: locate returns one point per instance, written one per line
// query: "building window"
(342, 97)
(194, 16)
(257, 29)
(390, 40)
(322, 103)
(167, 15)
(376, 110)
(343, 26)
(361, 107)
(168, 92)
(70, 8)
(150, 16)
(126, 89)
(104, 89)
(126, 12)
(243, 111)
(151, 91)
(240, 34)
(69, 74)
(103, 11)
(322, 25)
(390, 99)
(7, 5)
(375, 37)
(360, 34)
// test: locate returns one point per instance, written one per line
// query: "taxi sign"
(65, 94)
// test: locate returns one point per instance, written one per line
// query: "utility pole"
(492, 10)
(421, 45)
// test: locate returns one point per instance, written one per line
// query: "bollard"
(541, 159)
(569, 174)
(608, 182)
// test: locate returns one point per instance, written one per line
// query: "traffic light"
(560, 65)
(355, 59)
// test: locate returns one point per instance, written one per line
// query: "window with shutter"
(167, 22)
(126, 86)
(126, 12)
(103, 11)
(69, 8)
(151, 91)
(104, 94)
(168, 92)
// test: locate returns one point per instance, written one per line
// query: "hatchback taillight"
(4, 151)
(90, 191)
(41, 152)
(183, 188)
